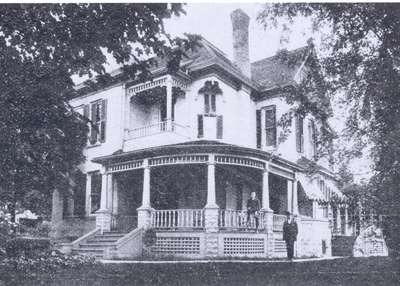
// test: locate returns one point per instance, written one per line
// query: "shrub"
(26, 246)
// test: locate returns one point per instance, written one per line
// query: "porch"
(195, 197)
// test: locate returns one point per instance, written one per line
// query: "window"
(97, 112)
(270, 125)
(312, 138)
(95, 192)
(299, 134)
(209, 104)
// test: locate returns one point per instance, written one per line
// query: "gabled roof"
(275, 71)
(268, 73)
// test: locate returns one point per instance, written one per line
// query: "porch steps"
(95, 245)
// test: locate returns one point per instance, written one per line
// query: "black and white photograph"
(224, 143)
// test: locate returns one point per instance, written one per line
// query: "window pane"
(213, 106)
(270, 125)
(206, 103)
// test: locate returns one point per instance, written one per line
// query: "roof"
(278, 70)
(192, 147)
(268, 73)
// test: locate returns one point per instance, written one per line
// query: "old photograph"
(146, 143)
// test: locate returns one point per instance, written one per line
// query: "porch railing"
(237, 219)
(277, 222)
(181, 218)
(159, 127)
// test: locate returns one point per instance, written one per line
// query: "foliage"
(29, 247)
(42, 46)
(360, 60)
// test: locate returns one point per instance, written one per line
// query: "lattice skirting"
(243, 245)
(188, 245)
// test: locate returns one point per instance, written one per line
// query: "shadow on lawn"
(345, 271)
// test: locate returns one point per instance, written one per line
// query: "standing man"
(290, 231)
(253, 208)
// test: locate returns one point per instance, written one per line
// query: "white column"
(87, 194)
(346, 220)
(103, 196)
(265, 189)
(146, 184)
(295, 202)
(263, 134)
(110, 185)
(169, 103)
(315, 208)
(289, 195)
(338, 220)
(211, 197)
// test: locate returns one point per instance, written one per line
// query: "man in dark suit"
(290, 231)
(253, 208)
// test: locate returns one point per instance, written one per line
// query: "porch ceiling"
(194, 147)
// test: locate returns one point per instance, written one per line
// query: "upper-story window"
(209, 104)
(97, 112)
(299, 133)
(270, 125)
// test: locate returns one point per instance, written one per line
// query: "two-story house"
(181, 154)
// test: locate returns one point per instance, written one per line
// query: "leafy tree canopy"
(42, 46)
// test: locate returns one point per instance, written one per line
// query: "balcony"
(159, 133)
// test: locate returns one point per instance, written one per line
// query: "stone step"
(95, 244)
(88, 252)
(115, 236)
(101, 240)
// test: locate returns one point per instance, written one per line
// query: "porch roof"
(194, 147)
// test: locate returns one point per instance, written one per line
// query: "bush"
(26, 246)
(41, 230)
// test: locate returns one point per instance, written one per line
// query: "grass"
(344, 271)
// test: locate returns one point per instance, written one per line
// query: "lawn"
(344, 271)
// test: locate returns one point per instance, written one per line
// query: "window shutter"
(270, 125)
(299, 133)
(258, 128)
(200, 131)
(220, 125)
(103, 122)
(206, 103)
(93, 130)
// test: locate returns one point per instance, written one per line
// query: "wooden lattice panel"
(244, 246)
(279, 246)
(177, 245)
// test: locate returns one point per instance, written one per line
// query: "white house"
(180, 155)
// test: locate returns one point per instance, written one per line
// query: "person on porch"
(290, 231)
(253, 209)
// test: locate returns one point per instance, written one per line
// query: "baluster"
(195, 218)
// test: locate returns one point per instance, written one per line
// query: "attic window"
(210, 91)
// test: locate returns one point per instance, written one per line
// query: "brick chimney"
(240, 25)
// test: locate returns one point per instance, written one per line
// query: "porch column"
(289, 195)
(295, 202)
(144, 211)
(169, 104)
(267, 213)
(87, 193)
(265, 189)
(346, 220)
(103, 215)
(338, 220)
(211, 211)
(314, 208)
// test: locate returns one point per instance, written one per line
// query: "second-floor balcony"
(157, 128)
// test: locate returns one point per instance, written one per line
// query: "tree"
(361, 63)
(41, 47)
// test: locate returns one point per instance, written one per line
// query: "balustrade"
(181, 218)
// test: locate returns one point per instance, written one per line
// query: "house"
(181, 154)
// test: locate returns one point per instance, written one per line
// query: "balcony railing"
(181, 218)
(156, 128)
(237, 219)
